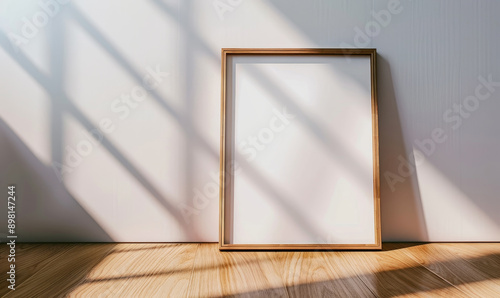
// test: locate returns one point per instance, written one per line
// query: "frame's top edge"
(346, 51)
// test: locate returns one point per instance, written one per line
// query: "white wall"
(142, 177)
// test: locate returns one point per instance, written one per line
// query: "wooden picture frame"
(228, 168)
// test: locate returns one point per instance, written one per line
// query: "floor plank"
(392, 273)
(201, 270)
(485, 256)
(141, 270)
(250, 274)
(206, 277)
(60, 274)
(462, 273)
(30, 258)
(315, 274)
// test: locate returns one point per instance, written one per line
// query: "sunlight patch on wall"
(451, 214)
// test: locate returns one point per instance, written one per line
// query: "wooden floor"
(200, 270)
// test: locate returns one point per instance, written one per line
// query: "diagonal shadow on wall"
(282, 97)
(63, 103)
(45, 209)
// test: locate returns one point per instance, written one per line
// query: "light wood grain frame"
(225, 52)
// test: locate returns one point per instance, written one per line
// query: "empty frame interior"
(299, 149)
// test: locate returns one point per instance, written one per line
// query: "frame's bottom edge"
(299, 247)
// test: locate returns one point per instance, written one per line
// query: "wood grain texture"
(141, 270)
(32, 258)
(316, 274)
(60, 275)
(393, 273)
(251, 274)
(462, 273)
(206, 276)
(201, 270)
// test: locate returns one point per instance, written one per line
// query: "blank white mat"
(303, 149)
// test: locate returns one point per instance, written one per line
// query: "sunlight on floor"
(200, 270)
